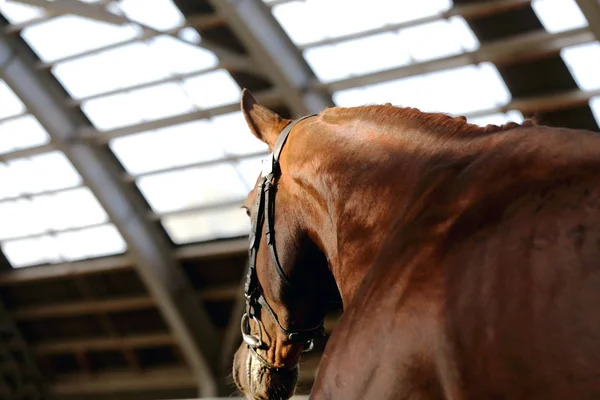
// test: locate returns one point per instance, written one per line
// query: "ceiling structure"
(124, 158)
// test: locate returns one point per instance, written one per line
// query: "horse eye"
(247, 211)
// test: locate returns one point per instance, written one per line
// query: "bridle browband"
(264, 211)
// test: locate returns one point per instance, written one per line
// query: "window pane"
(55, 38)
(202, 226)
(44, 172)
(21, 133)
(174, 146)
(193, 187)
(10, 104)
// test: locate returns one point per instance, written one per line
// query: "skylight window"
(455, 91)
(191, 188)
(51, 212)
(54, 39)
(11, 105)
(178, 145)
(584, 63)
(66, 246)
(207, 225)
(135, 106)
(559, 15)
(37, 174)
(17, 13)
(212, 89)
(21, 133)
(350, 16)
(163, 15)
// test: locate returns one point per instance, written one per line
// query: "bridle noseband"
(264, 211)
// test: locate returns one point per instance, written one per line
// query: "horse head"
(288, 275)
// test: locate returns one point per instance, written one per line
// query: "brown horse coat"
(486, 281)
(467, 258)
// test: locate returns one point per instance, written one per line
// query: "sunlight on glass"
(48, 171)
(55, 38)
(21, 133)
(17, 13)
(135, 106)
(33, 251)
(10, 104)
(162, 15)
(559, 15)
(173, 146)
(201, 226)
(117, 68)
(455, 91)
(92, 242)
(498, 119)
(250, 169)
(178, 57)
(68, 246)
(584, 63)
(192, 187)
(350, 16)
(439, 39)
(232, 132)
(50, 212)
(338, 61)
(212, 89)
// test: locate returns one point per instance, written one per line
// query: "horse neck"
(365, 187)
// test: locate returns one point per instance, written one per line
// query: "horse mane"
(431, 121)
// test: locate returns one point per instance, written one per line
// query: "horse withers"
(467, 258)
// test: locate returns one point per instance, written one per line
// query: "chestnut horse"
(467, 258)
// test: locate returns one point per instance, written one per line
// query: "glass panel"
(178, 57)
(92, 242)
(234, 135)
(498, 119)
(11, 104)
(193, 187)
(439, 39)
(112, 69)
(455, 91)
(31, 251)
(339, 61)
(50, 212)
(559, 15)
(148, 104)
(44, 172)
(351, 16)
(21, 133)
(202, 226)
(17, 13)
(584, 62)
(56, 38)
(595, 106)
(173, 146)
(163, 14)
(250, 169)
(212, 89)
(68, 246)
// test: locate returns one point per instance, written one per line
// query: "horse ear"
(263, 123)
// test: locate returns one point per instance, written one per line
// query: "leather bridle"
(264, 211)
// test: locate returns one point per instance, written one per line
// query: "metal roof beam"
(591, 11)
(271, 49)
(188, 320)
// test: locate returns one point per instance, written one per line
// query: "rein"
(264, 212)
